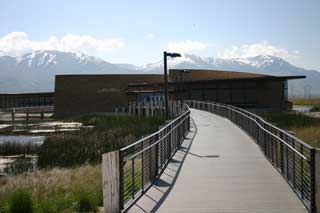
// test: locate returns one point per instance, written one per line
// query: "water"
(302, 108)
(21, 139)
(18, 163)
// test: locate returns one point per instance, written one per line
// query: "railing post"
(157, 156)
(316, 180)
(313, 180)
(111, 181)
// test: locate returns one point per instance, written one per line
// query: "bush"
(315, 109)
(85, 204)
(20, 202)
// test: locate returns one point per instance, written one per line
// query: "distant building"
(26, 100)
(83, 94)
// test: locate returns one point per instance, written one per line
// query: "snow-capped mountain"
(35, 71)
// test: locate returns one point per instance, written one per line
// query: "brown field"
(306, 101)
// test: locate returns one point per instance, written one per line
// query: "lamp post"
(166, 95)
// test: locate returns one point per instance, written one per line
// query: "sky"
(137, 32)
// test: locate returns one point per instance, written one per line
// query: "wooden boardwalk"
(219, 168)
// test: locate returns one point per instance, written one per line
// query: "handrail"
(292, 148)
(155, 143)
(157, 132)
(144, 160)
(273, 126)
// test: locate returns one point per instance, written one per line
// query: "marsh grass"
(291, 120)
(87, 146)
(78, 187)
(137, 126)
(56, 190)
(304, 127)
(16, 148)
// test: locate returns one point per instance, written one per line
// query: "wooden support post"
(12, 114)
(134, 111)
(27, 116)
(139, 109)
(147, 108)
(129, 109)
(111, 181)
(152, 109)
(42, 115)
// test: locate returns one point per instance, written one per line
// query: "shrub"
(315, 109)
(20, 202)
(85, 204)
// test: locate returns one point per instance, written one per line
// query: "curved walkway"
(219, 168)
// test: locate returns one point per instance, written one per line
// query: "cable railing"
(293, 158)
(143, 161)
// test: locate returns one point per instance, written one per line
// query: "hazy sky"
(138, 31)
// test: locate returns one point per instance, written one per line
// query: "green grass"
(20, 201)
(56, 190)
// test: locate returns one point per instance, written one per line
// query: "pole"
(180, 89)
(166, 98)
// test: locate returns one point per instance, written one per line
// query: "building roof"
(28, 94)
(201, 74)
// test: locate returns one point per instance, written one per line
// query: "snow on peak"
(42, 58)
(38, 58)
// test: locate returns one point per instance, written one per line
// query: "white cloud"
(149, 36)
(17, 43)
(262, 48)
(187, 46)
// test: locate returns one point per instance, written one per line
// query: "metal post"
(165, 83)
(312, 176)
(180, 89)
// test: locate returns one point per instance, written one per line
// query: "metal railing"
(293, 158)
(143, 161)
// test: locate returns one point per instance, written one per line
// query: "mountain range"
(35, 71)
